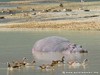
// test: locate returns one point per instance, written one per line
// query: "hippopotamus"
(56, 44)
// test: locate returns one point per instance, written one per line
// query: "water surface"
(16, 45)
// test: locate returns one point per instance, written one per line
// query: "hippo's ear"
(80, 46)
(73, 45)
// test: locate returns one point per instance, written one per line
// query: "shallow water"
(16, 45)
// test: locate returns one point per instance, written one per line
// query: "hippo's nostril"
(83, 51)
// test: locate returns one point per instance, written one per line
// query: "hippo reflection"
(56, 44)
(49, 56)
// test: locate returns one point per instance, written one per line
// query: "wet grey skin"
(56, 44)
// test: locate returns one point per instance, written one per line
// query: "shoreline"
(40, 29)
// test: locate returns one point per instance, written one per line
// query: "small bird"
(62, 60)
(30, 64)
(20, 63)
(43, 67)
(76, 64)
(11, 67)
(58, 61)
(23, 61)
(54, 62)
(61, 5)
(52, 65)
(84, 62)
(47, 67)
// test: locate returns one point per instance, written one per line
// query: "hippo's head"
(77, 48)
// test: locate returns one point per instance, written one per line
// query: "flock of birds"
(54, 63)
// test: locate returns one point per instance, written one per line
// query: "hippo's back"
(53, 43)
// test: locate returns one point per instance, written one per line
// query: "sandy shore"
(85, 26)
(30, 17)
